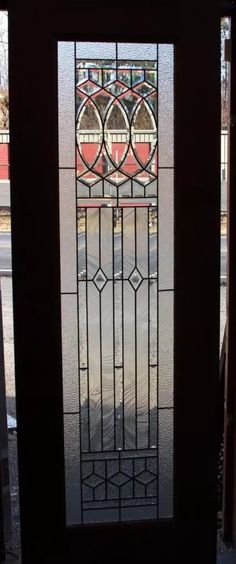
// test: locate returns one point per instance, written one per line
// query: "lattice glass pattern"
(112, 242)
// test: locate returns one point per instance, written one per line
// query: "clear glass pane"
(68, 231)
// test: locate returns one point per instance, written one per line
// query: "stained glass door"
(116, 144)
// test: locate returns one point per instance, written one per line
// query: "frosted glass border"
(68, 231)
(69, 325)
(166, 349)
(66, 103)
(72, 469)
(166, 229)
(166, 105)
(137, 51)
(166, 464)
(93, 50)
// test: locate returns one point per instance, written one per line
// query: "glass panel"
(85, 50)
(138, 51)
(70, 352)
(66, 104)
(166, 348)
(130, 373)
(94, 366)
(72, 469)
(166, 105)
(68, 231)
(165, 487)
(118, 343)
(166, 229)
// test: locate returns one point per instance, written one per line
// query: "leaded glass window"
(116, 224)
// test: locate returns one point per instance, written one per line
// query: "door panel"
(49, 323)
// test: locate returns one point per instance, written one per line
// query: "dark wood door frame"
(33, 32)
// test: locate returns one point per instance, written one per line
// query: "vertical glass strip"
(165, 445)
(94, 357)
(142, 365)
(92, 241)
(166, 228)
(129, 367)
(72, 469)
(66, 103)
(166, 349)
(142, 240)
(107, 366)
(70, 352)
(166, 105)
(106, 241)
(128, 241)
(68, 231)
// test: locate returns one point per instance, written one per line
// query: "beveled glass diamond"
(135, 279)
(93, 480)
(100, 279)
(145, 477)
(119, 479)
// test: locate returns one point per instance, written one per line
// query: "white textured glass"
(68, 231)
(72, 469)
(166, 105)
(166, 432)
(69, 324)
(86, 50)
(166, 348)
(66, 103)
(166, 229)
(137, 51)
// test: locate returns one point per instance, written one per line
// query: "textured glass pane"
(70, 352)
(85, 50)
(72, 469)
(68, 231)
(153, 252)
(81, 243)
(166, 348)
(130, 352)
(66, 108)
(94, 353)
(107, 366)
(166, 105)
(138, 51)
(165, 422)
(166, 229)
(119, 414)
